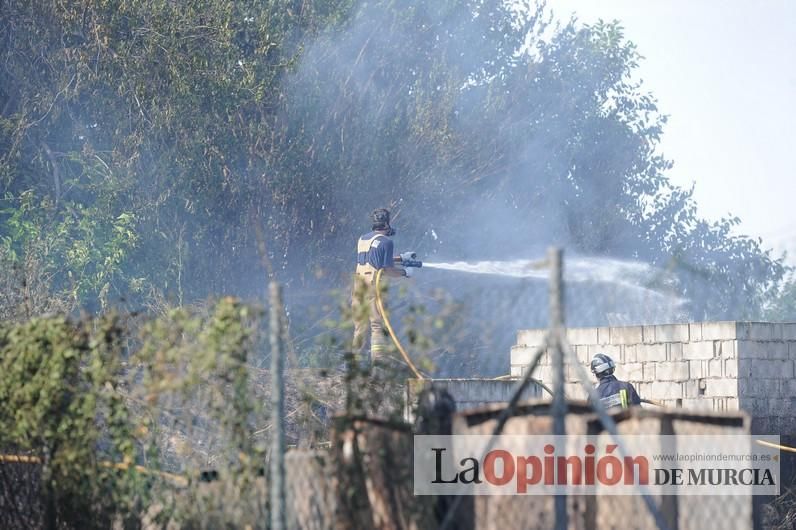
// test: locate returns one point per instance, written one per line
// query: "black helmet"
(380, 217)
(602, 365)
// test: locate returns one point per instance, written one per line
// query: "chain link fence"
(193, 404)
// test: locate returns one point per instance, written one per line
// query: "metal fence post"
(277, 489)
(559, 406)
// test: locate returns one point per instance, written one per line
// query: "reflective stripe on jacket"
(616, 393)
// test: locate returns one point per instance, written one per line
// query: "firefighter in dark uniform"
(374, 252)
(613, 392)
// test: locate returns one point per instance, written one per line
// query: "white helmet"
(602, 365)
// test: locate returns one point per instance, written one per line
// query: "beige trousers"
(366, 316)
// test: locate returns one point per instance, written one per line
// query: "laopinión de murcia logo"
(522, 465)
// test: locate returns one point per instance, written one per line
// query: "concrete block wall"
(718, 366)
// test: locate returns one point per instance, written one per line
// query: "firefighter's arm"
(394, 272)
(635, 399)
(402, 272)
(388, 261)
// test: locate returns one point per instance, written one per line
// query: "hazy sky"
(725, 73)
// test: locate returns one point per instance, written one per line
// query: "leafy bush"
(116, 418)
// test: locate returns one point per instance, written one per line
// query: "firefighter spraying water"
(375, 258)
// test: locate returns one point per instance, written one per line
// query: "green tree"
(782, 304)
(148, 146)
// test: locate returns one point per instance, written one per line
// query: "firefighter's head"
(380, 218)
(602, 366)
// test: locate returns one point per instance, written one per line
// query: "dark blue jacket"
(380, 254)
(616, 393)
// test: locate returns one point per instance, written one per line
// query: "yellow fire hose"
(385, 317)
(776, 446)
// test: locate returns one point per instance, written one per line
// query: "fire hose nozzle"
(409, 259)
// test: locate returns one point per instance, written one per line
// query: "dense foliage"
(57, 398)
(116, 417)
(159, 152)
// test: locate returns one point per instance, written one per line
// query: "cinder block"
(649, 334)
(665, 390)
(777, 330)
(718, 330)
(789, 389)
(675, 351)
(746, 367)
(516, 371)
(789, 331)
(726, 349)
(631, 371)
(762, 349)
(730, 367)
(776, 350)
(582, 353)
(650, 352)
(582, 336)
(771, 387)
(611, 350)
(715, 368)
(649, 371)
(695, 331)
(644, 389)
(672, 333)
(788, 423)
(750, 349)
(760, 425)
(765, 369)
(758, 331)
(629, 353)
(603, 335)
(754, 387)
(671, 371)
(774, 424)
(772, 369)
(747, 388)
(721, 388)
(698, 350)
(697, 369)
(701, 404)
(521, 355)
(627, 335)
(778, 406)
(725, 404)
(531, 337)
(792, 350)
